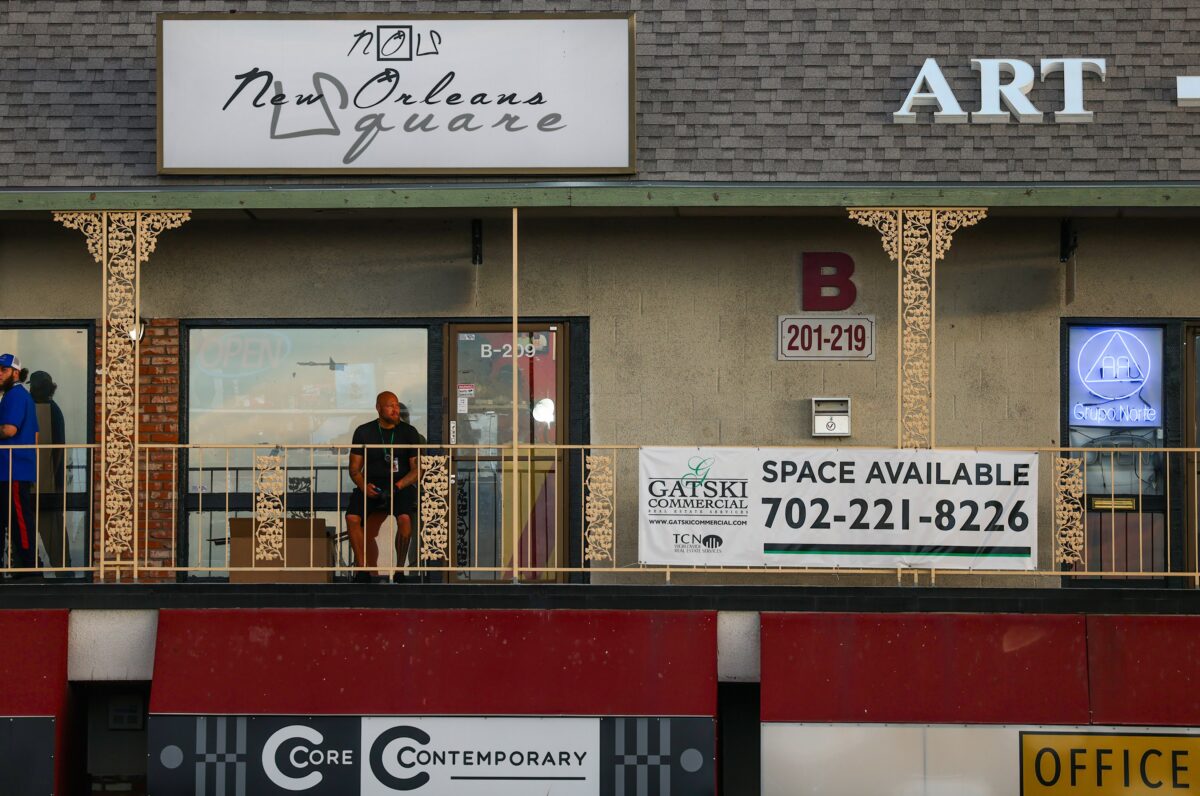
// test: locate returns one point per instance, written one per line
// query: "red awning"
(1144, 670)
(34, 737)
(33, 658)
(460, 662)
(924, 668)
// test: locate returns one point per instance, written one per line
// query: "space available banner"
(828, 507)
(26, 755)
(443, 755)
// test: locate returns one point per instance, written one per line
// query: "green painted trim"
(622, 194)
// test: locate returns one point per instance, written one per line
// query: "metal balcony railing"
(551, 513)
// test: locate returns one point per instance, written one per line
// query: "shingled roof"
(728, 90)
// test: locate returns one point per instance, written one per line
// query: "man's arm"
(10, 415)
(357, 475)
(410, 477)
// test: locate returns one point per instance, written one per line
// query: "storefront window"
(57, 359)
(287, 386)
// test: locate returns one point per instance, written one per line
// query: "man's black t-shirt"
(380, 469)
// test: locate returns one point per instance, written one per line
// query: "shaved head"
(388, 407)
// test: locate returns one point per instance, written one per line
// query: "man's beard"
(7, 384)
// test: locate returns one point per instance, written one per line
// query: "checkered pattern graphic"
(642, 757)
(220, 756)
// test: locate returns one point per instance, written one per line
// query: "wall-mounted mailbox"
(831, 417)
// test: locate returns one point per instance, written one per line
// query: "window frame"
(85, 502)
(579, 420)
(1174, 394)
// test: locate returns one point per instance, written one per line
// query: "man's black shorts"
(395, 504)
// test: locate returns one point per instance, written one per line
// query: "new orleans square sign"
(829, 507)
(394, 94)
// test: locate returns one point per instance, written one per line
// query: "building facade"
(808, 396)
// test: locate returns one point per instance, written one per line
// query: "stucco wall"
(682, 310)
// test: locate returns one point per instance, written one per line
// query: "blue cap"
(10, 361)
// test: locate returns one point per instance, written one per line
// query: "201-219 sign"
(454, 93)
(816, 337)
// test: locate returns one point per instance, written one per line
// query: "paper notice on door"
(462, 404)
(467, 390)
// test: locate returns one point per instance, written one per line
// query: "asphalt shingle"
(769, 90)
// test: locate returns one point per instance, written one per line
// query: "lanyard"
(391, 439)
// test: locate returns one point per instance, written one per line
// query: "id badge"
(395, 463)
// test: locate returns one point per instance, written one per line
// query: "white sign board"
(452, 754)
(953, 760)
(392, 94)
(829, 507)
(826, 337)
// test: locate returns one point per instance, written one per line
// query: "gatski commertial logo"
(699, 497)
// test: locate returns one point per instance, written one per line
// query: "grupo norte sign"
(831, 507)
(439, 755)
(389, 94)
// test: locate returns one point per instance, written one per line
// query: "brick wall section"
(158, 424)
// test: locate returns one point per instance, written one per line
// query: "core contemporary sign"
(395, 94)
(443, 755)
(1115, 376)
(829, 507)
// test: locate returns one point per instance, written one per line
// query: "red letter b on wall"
(825, 281)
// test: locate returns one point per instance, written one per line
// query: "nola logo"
(1113, 364)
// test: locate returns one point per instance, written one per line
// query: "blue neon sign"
(1115, 375)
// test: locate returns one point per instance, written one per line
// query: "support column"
(121, 241)
(915, 239)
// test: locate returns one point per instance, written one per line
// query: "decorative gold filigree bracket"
(270, 486)
(121, 241)
(599, 501)
(435, 508)
(915, 239)
(1068, 511)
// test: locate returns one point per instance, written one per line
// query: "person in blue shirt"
(18, 466)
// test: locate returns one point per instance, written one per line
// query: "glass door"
(485, 484)
(1115, 408)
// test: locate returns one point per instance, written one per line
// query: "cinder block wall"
(682, 310)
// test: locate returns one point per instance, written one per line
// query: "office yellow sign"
(1108, 764)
